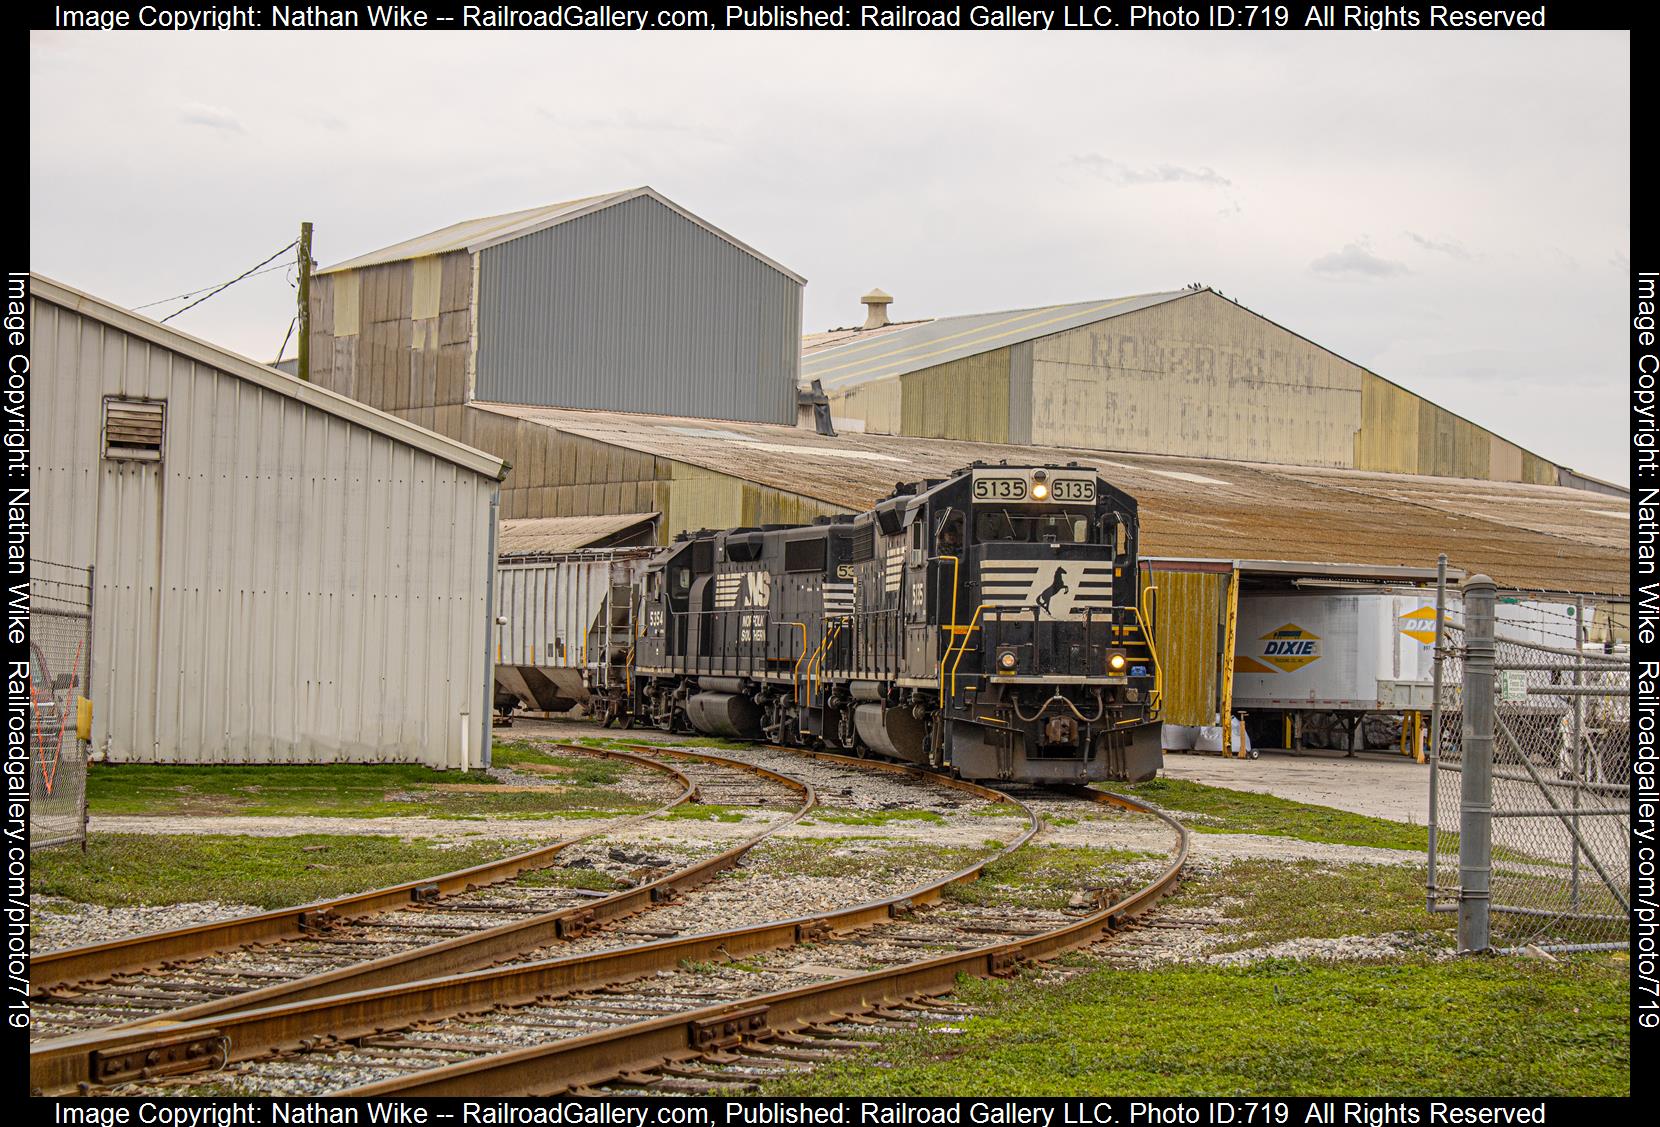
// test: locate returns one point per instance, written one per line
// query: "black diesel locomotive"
(986, 623)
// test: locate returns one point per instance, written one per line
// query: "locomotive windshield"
(1032, 528)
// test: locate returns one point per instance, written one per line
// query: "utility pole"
(305, 302)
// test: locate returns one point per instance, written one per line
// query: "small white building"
(280, 574)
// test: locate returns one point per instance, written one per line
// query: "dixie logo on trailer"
(1290, 647)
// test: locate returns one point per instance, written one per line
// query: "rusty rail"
(78, 1062)
(65, 1065)
(595, 1058)
(488, 946)
(100, 960)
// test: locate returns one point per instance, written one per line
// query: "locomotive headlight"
(1040, 491)
(1116, 663)
(1006, 661)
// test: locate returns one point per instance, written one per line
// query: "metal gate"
(1529, 802)
(60, 662)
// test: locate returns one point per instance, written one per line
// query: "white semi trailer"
(1343, 668)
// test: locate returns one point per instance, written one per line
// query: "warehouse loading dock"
(1308, 656)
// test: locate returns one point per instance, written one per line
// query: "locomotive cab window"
(949, 542)
(1053, 528)
(681, 579)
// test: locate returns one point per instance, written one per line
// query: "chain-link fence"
(60, 661)
(1530, 796)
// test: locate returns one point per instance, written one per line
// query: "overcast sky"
(1450, 210)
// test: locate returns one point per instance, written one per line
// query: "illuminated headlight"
(1040, 491)
(1006, 661)
(1116, 663)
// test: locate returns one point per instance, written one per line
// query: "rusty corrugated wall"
(1188, 612)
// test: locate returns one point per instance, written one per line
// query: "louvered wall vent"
(133, 429)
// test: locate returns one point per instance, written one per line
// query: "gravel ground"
(69, 923)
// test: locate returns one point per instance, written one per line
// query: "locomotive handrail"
(956, 572)
(952, 639)
(795, 671)
(962, 649)
(1157, 700)
(812, 660)
(815, 667)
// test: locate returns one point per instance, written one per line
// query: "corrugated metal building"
(699, 474)
(542, 536)
(281, 574)
(1180, 372)
(622, 301)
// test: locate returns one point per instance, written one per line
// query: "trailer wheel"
(1254, 753)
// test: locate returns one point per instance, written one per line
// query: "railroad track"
(668, 1014)
(463, 920)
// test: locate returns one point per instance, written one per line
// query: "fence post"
(1435, 727)
(1475, 805)
(1578, 763)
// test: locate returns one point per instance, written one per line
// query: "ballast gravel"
(60, 923)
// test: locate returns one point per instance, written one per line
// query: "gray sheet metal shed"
(281, 574)
(621, 301)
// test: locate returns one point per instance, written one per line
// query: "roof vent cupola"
(876, 309)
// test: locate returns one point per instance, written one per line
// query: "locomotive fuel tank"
(893, 732)
(724, 714)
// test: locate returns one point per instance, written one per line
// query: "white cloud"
(1120, 173)
(1356, 260)
(213, 117)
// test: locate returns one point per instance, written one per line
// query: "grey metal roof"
(282, 383)
(538, 535)
(476, 234)
(887, 353)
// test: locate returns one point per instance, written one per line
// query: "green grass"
(354, 791)
(1266, 902)
(591, 879)
(577, 770)
(1244, 812)
(841, 816)
(1471, 1027)
(271, 872)
(1046, 876)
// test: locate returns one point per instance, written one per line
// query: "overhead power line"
(212, 290)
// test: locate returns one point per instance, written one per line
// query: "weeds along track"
(689, 1013)
(459, 921)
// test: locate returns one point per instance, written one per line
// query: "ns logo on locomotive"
(987, 624)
